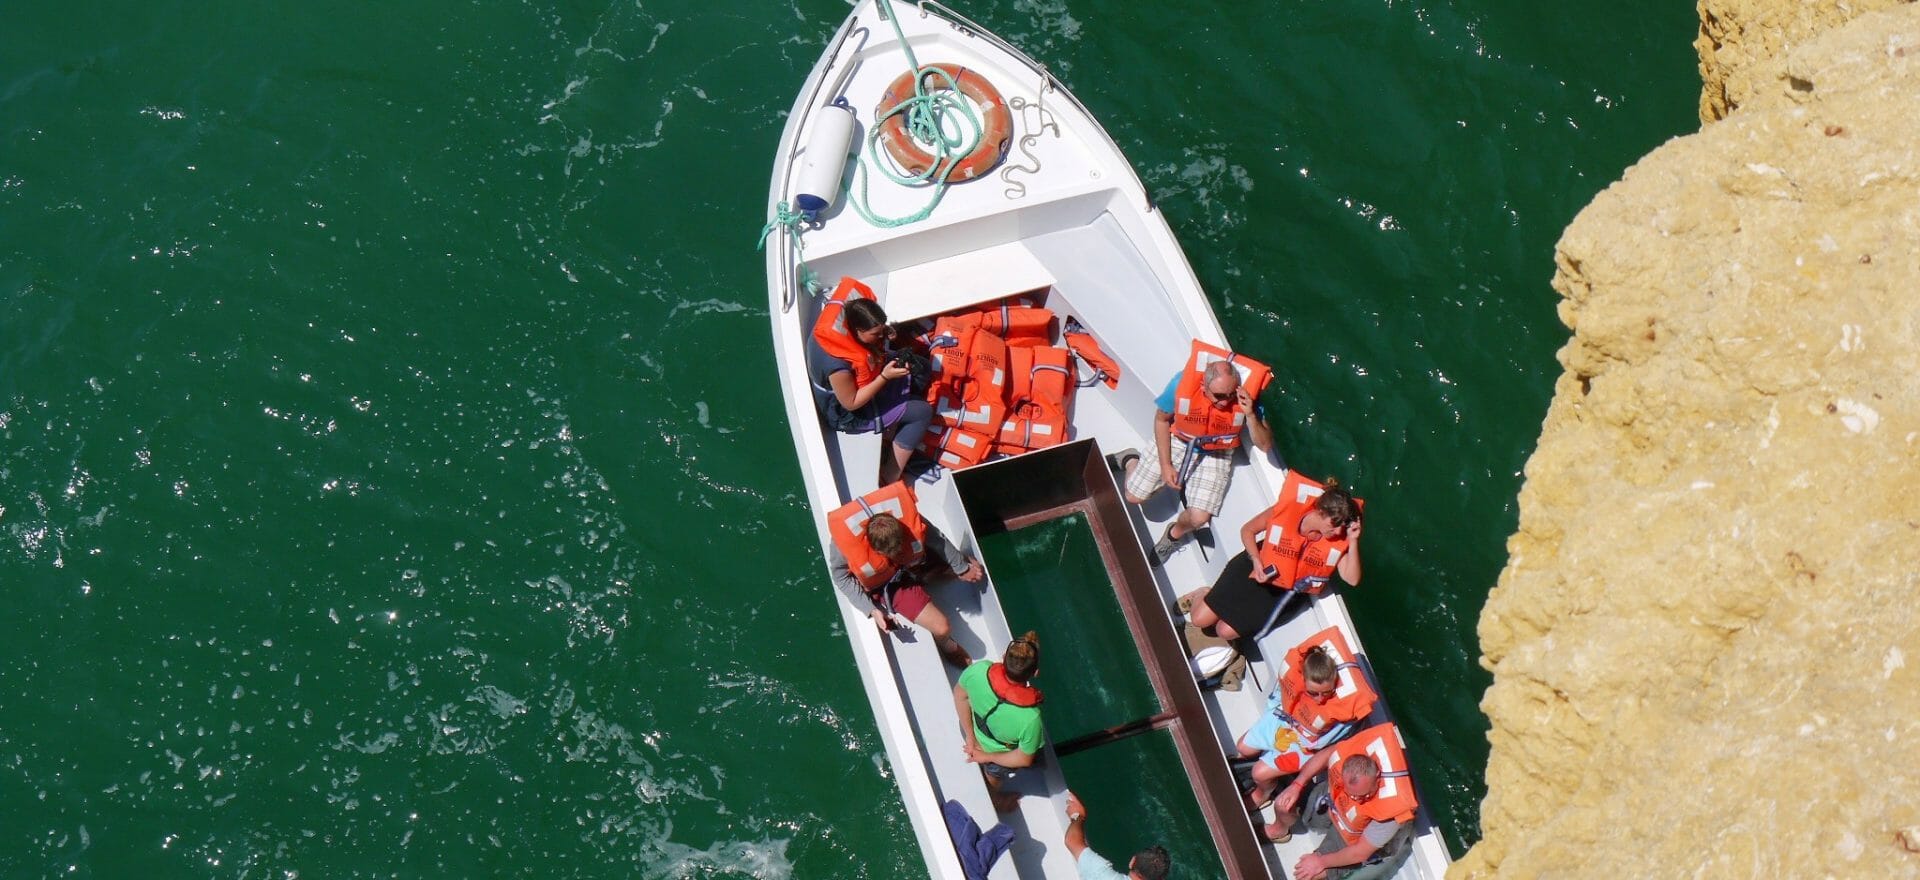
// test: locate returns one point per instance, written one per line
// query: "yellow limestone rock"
(1742, 41)
(1706, 642)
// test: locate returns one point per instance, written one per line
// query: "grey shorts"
(1206, 483)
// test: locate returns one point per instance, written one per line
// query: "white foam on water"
(761, 860)
(502, 703)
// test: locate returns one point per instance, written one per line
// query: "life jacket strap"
(980, 724)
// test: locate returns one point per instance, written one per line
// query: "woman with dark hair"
(859, 385)
(1000, 715)
(1295, 546)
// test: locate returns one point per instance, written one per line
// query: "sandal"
(958, 658)
(1274, 833)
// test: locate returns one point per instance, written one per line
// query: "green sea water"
(392, 477)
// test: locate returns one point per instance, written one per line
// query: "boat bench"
(923, 678)
(860, 462)
(984, 275)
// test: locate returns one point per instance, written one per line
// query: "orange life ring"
(996, 122)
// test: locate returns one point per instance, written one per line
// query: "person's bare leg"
(1126, 473)
(1003, 801)
(1262, 793)
(1190, 519)
(1203, 617)
(935, 622)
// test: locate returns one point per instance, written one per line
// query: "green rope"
(928, 117)
(928, 114)
(792, 222)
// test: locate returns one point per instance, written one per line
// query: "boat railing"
(785, 251)
(1048, 82)
(839, 84)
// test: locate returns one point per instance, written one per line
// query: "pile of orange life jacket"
(1002, 386)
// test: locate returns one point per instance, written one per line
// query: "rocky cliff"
(1705, 641)
(1742, 43)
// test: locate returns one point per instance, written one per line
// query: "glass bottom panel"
(1138, 795)
(1050, 579)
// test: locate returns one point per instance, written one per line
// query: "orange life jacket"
(847, 526)
(831, 332)
(1302, 565)
(969, 388)
(1081, 343)
(1305, 719)
(1042, 383)
(955, 448)
(1006, 692)
(1016, 320)
(1195, 417)
(1393, 801)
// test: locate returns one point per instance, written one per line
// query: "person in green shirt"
(999, 713)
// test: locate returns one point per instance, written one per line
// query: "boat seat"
(928, 687)
(985, 275)
(859, 462)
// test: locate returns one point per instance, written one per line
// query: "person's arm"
(1332, 735)
(1289, 797)
(849, 586)
(963, 566)
(1349, 565)
(1012, 759)
(1076, 826)
(1257, 427)
(1315, 865)
(964, 707)
(853, 396)
(1250, 539)
(1163, 441)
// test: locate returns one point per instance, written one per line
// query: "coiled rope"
(933, 118)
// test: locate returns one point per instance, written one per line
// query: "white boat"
(1063, 214)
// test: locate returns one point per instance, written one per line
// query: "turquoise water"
(392, 479)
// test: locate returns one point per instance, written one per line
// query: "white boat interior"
(1063, 216)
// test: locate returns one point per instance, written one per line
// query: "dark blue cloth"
(977, 851)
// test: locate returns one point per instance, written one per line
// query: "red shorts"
(908, 600)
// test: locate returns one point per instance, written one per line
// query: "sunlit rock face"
(1742, 42)
(1705, 645)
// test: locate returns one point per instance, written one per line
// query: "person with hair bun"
(999, 713)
